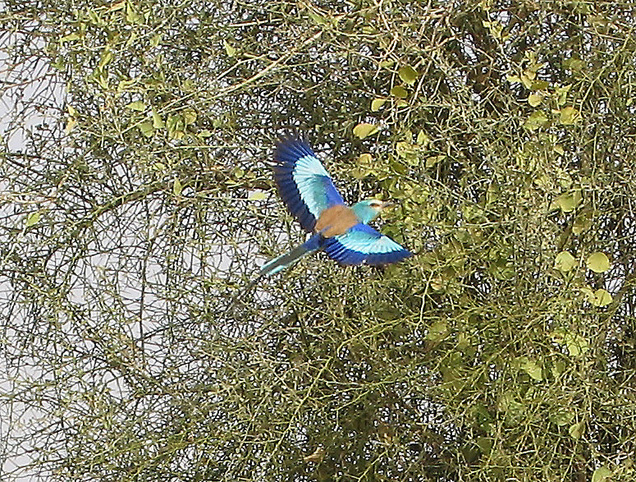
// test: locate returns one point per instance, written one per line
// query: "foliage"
(137, 203)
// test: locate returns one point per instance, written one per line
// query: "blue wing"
(303, 183)
(363, 244)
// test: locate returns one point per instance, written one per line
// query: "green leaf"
(405, 149)
(471, 453)
(408, 74)
(257, 196)
(399, 92)
(576, 344)
(125, 85)
(531, 367)
(598, 262)
(557, 368)
(175, 126)
(189, 116)
(526, 81)
(147, 129)
(535, 99)
(365, 159)
(229, 50)
(318, 19)
(574, 64)
(539, 85)
(485, 444)
(569, 201)
(564, 262)
(177, 187)
(189, 85)
(496, 29)
(573, 342)
(434, 160)
(501, 268)
(576, 430)
(157, 122)
(422, 139)
(32, 218)
(513, 409)
(562, 417)
(137, 105)
(582, 223)
(408, 152)
(600, 298)
(569, 116)
(532, 69)
(438, 331)
(536, 120)
(562, 94)
(364, 130)
(132, 16)
(72, 37)
(70, 124)
(107, 57)
(377, 104)
(602, 474)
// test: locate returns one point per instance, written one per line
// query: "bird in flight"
(341, 231)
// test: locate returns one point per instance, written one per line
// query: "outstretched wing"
(363, 244)
(303, 183)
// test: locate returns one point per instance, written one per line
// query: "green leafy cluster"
(138, 203)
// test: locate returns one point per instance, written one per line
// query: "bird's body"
(336, 220)
(341, 231)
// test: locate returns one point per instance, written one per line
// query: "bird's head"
(367, 210)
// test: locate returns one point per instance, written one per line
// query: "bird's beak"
(387, 204)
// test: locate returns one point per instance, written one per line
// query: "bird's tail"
(286, 260)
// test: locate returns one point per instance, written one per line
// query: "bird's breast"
(336, 220)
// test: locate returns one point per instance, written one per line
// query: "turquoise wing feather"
(303, 183)
(363, 244)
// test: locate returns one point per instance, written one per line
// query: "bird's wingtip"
(291, 148)
(291, 140)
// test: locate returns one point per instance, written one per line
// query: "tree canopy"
(137, 203)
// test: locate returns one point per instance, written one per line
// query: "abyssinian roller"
(339, 230)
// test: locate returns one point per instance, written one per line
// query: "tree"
(137, 204)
